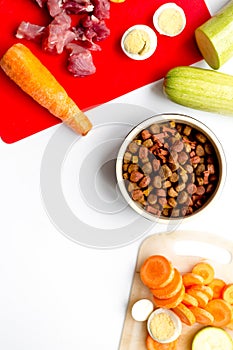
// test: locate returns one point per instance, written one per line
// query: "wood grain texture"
(134, 333)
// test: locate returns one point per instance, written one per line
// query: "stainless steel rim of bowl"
(178, 118)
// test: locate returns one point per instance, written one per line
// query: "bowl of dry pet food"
(170, 166)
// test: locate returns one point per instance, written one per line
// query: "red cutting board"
(116, 74)
(184, 249)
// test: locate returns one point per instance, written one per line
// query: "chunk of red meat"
(101, 8)
(101, 30)
(57, 39)
(78, 6)
(82, 40)
(63, 20)
(29, 31)
(94, 29)
(80, 61)
(54, 7)
(58, 34)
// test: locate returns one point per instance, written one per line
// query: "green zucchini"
(212, 338)
(215, 37)
(199, 88)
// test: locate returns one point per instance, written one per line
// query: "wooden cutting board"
(184, 249)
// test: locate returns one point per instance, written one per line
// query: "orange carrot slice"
(221, 310)
(24, 68)
(191, 278)
(202, 315)
(185, 314)
(152, 344)
(171, 288)
(205, 270)
(200, 296)
(189, 300)
(204, 289)
(230, 324)
(156, 271)
(227, 293)
(217, 286)
(170, 302)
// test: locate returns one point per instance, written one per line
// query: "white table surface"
(54, 293)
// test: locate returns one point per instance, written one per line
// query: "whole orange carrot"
(26, 70)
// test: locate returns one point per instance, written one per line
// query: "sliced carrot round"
(204, 289)
(171, 288)
(170, 302)
(191, 278)
(189, 300)
(200, 296)
(217, 286)
(185, 314)
(205, 270)
(156, 271)
(202, 315)
(227, 293)
(221, 310)
(152, 344)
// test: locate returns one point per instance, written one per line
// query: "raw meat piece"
(78, 6)
(54, 7)
(94, 28)
(101, 8)
(58, 34)
(80, 62)
(29, 31)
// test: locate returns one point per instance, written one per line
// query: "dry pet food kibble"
(171, 169)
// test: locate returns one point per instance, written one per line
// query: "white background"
(54, 293)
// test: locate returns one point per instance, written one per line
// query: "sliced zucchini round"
(212, 338)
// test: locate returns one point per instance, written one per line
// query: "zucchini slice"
(212, 338)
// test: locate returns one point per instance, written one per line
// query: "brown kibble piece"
(143, 152)
(137, 195)
(157, 182)
(161, 192)
(132, 167)
(200, 190)
(200, 137)
(156, 164)
(152, 198)
(200, 151)
(187, 130)
(145, 134)
(191, 188)
(172, 202)
(133, 147)
(147, 168)
(136, 176)
(144, 181)
(171, 192)
(174, 177)
(182, 157)
(165, 172)
(178, 146)
(182, 197)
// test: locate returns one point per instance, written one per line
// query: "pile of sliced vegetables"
(195, 296)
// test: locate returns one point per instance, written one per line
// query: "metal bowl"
(203, 182)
